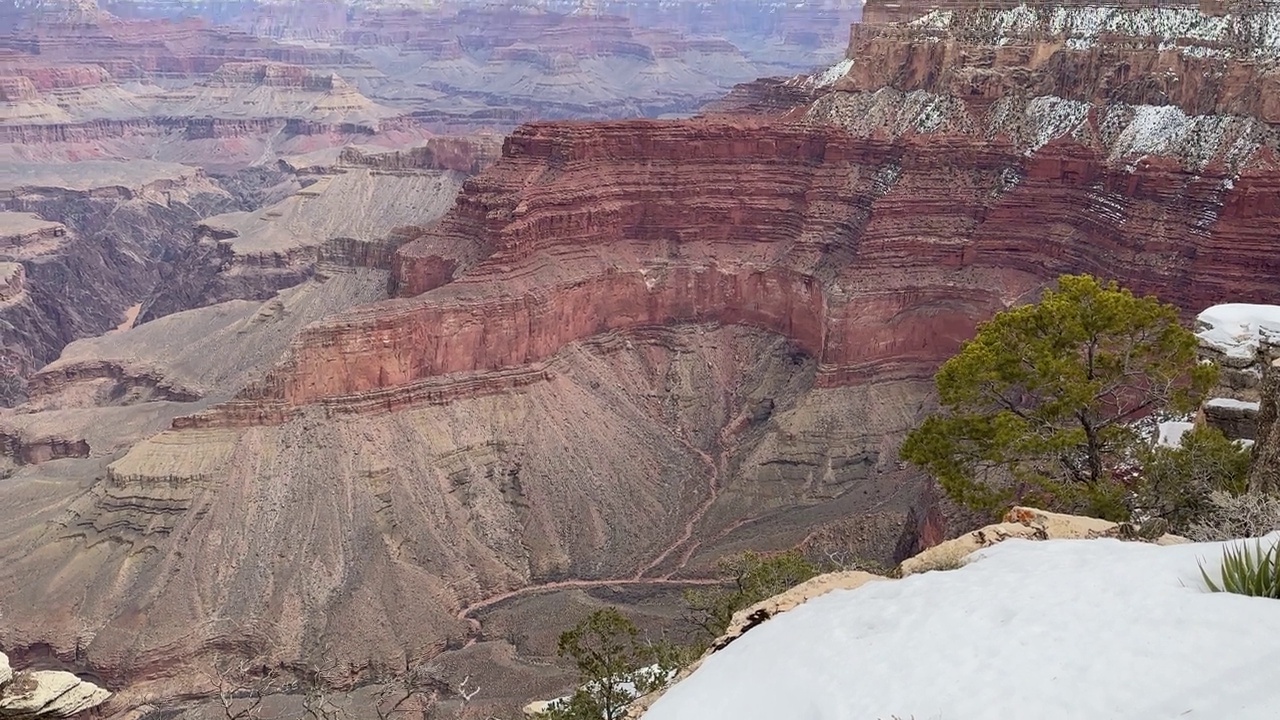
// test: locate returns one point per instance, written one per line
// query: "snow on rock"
(1185, 30)
(1232, 404)
(1059, 630)
(833, 73)
(1237, 329)
(1169, 434)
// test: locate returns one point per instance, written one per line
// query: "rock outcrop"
(793, 227)
(79, 248)
(33, 694)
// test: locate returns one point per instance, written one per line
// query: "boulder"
(1031, 524)
(45, 693)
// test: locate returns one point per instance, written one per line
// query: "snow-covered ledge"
(758, 621)
(1060, 630)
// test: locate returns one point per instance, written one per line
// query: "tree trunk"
(1264, 475)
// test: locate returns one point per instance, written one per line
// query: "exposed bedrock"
(606, 470)
(876, 255)
(355, 211)
(95, 253)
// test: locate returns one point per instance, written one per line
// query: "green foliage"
(1248, 572)
(1038, 407)
(1177, 483)
(615, 666)
(750, 578)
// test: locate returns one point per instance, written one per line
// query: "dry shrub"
(1237, 516)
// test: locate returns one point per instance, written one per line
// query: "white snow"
(1232, 404)
(1054, 630)
(1170, 432)
(1186, 30)
(833, 73)
(1237, 329)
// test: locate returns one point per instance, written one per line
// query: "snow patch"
(1058, 630)
(1050, 117)
(832, 74)
(1232, 404)
(933, 20)
(1238, 329)
(1169, 433)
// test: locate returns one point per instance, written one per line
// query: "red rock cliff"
(950, 171)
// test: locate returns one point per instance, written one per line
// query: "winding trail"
(715, 467)
(713, 483)
(465, 613)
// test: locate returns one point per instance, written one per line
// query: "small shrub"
(750, 578)
(1177, 483)
(1255, 572)
(1232, 516)
(615, 666)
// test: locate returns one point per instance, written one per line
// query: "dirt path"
(466, 612)
(713, 483)
(715, 468)
(130, 316)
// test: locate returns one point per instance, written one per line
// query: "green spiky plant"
(1255, 572)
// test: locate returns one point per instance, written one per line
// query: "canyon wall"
(875, 251)
(624, 352)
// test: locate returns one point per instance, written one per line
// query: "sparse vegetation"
(1237, 516)
(750, 578)
(615, 665)
(1039, 407)
(1176, 484)
(1245, 571)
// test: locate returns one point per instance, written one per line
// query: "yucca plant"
(1254, 572)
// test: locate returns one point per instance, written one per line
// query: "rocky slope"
(79, 249)
(628, 349)
(357, 207)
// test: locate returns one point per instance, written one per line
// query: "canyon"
(410, 394)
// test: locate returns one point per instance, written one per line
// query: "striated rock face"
(72, 259)
(627, 349)
(798, 228)
(355, 211)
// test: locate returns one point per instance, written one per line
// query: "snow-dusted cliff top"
(1188, 30)
(1059, 630)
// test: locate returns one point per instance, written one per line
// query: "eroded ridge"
(942, 172)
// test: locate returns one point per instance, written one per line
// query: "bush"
(1236, 516)
(1248, 572)
(615, 666)
(750, 578)
(1177, 483)
(1039, 407)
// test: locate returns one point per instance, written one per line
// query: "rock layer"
(798, 228)
(627, 350)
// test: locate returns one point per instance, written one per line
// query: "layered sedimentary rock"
(233, 117)
(798, 228)
(78, 248)
(84, 32)
(357, 207)
(627, 350)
